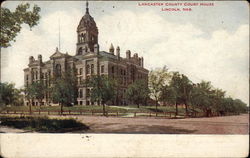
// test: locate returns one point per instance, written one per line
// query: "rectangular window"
(80, 71)
(87, 92)
(80, 95)
(102, 69)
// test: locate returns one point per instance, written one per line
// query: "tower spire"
(87, 7)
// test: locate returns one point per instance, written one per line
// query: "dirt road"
(214, 125)
(147, 125)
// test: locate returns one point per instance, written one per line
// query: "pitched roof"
(58, 54)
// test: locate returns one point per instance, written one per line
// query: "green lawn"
(96, 109)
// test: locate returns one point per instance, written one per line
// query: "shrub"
(43, 124)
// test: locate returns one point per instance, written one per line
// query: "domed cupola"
(87, 34)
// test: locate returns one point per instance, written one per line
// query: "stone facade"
(88, 60)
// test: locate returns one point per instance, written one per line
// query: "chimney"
(136, 56)
(118, 52)
(31, 59)
(128, 54)
(139, 61)
(40, 59)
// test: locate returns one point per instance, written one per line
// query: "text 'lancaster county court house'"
(88, 60)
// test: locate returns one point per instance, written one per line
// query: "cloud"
(221, 58)
(43, 39)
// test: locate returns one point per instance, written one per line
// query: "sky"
(209, 43)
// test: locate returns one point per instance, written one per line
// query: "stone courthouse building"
(88, 60)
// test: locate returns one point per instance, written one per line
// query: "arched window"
(88, 68)
(92, 68)
(32, 75)
(58, 70)
(82, 38)
(36, 75)
(80, 51)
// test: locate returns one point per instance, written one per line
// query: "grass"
(42, 124)
(98, 109)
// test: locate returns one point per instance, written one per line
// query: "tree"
(158, 79)
(18, 97)
(64, 88)
(7, 93)
(228, 105)
(182, 87)
(30, 94)
(217, 95)
(103, 89)
(137, 92)
(241, 107)
(169, 95)
(202, 96)
(36, 90)
(11, 22)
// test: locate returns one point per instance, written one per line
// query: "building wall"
(125, 71)
(88, 62)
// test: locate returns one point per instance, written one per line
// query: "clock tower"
(87, 34)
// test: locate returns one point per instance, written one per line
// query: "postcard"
(124, 79)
